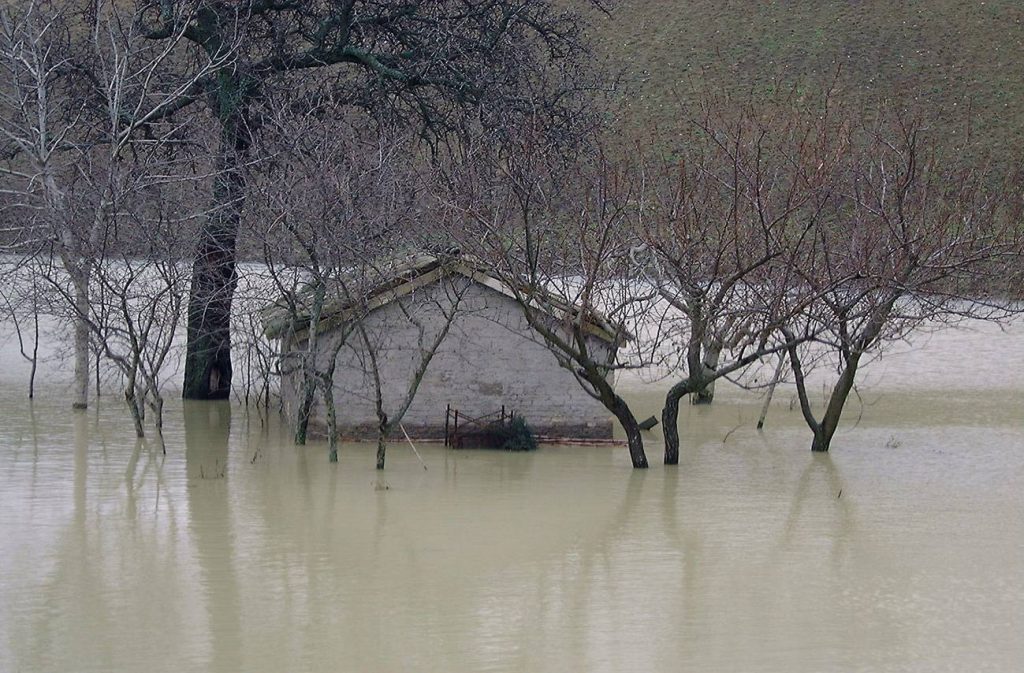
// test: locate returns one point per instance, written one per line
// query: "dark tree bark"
(214, 274)
(825, 429)
(603, 391)
(691, 386)
(382, 438)
(830, 421)
(670, 419)
(632, 429)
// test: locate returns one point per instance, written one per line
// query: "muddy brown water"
(903, 549)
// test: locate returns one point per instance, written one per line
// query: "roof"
(396, 278)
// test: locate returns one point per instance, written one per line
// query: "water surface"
(901, 550)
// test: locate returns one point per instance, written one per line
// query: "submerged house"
(489, 362)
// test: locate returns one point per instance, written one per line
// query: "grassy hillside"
(942, 57)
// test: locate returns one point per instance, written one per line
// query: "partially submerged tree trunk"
(80, 282)
(427, 350)
(854, 345)
(826, 428)
(629, 424)
(157, 405)
(670, 419)
(709, 365)
(135, 406)
(35, 351)
(309, 370)
(33, 358)
(332, 417)
(214, 275)
(305, 409)
(691, 385)
(771, 391)
(383, 430)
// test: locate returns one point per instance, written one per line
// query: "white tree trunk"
(80, 398)
(712, 353)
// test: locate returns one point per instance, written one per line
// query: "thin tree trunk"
(836, 401)
(35, 350)
(382, 438)
(826, 428)
(632, 429)
(131, 397)
(80, 280)
(158, 411)
(771, 391)
(309, 365)
(214, 274)
(670, 420)
(615, 404)
(801, 382)
(332, 419)
(305, 410)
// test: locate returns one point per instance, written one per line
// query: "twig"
(726, 438)
(402, 427)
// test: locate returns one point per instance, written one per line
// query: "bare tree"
(556, 230)
(339, 204)
(22, 303)
(919, 235)
(719, 221)
(434, 64)
(76, 89)
(138, 283)
(430, 312)
(135, 313)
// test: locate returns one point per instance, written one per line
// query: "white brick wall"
(490, 358)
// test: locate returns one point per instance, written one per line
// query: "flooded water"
(901, 550)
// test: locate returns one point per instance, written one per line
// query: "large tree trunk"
(670, 420)
(214, 276)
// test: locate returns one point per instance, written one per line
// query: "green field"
(950, 60)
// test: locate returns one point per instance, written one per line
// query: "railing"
(481, 426)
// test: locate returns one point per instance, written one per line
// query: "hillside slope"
(942, 57)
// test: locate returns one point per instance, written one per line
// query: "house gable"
(424, 270)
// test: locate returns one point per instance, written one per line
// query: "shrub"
(518, 436)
